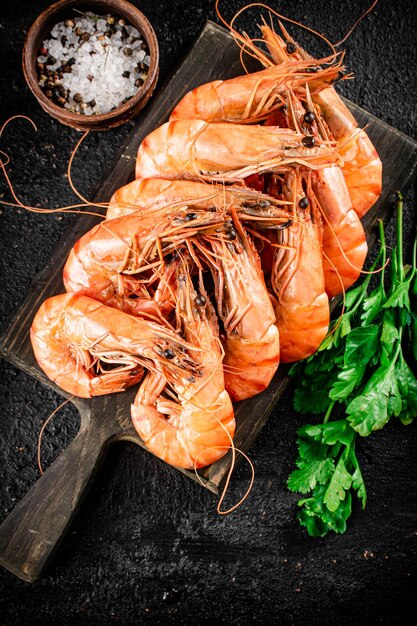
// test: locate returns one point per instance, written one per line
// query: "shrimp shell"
(151, 193)
(301, 303)
(251, 96)
(251, 342)
(196, 428)
(72, 334)
(196, 150)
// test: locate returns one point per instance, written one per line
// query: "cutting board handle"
(32, 532)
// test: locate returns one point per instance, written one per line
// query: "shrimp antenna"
(18, 203)
(371, 8)
(339, 319)
(245, 39)
(43, 429)
(226, 486)
(73, 153)
(17, 117)
(225, 489)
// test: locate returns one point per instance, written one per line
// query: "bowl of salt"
(91, 64)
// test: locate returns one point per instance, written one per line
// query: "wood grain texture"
(33, 530)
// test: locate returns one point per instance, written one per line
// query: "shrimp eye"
(311, 70)
(231, 235)
(190, 217)
(291, 48)
(303, 204)
(309, 117)
(309, 141)
(264, 203)
(228, 226)
(200, 300)
(168, 354)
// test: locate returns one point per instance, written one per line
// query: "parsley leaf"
(318, 519)
(362, 366)
(339, 484)
(310, 474)
(327, 467)
(407, 385)
(369, 411)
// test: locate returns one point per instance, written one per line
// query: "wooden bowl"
(65, 9)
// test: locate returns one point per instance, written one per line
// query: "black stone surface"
(147, 546)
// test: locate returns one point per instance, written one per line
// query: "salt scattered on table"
(92, 64)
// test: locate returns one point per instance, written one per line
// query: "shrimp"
(344, 240)
(297, 279)
(195, 428)
(117, 261)
(251, 342)
(251, 96)
(144, 193)
(362, 167)
(73, 336)
(194, 149)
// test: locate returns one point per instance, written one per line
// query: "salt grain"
(106, 68)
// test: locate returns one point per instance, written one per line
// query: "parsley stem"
(383, 251)
(400, 261)
(328, 412)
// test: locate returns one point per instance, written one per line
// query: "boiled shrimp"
(194, 427)
(362, 167)
(146, 193)
(251, 340)
(118, 261)
(251, 97)
(194, 149)
(297, 278)
(344, 240)
(74, 337)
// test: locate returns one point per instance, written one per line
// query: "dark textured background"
(147, 546)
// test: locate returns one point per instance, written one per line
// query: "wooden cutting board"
(31, 533)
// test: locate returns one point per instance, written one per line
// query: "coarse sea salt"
(92, 64)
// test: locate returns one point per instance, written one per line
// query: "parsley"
(364, 365)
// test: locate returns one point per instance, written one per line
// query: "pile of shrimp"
(218, 262)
